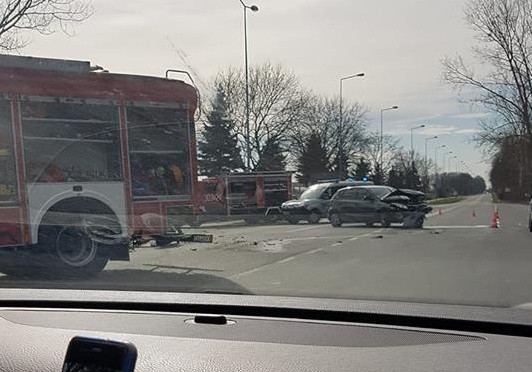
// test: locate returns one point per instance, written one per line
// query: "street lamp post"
(412, 140)
(443, 159)
(382, 136)
(253, 8)
(427, 178)
(443, 169)
(426, 158)
(449, 162)
(340, 124)
(436, 155)
(450, 159)
(412, 164)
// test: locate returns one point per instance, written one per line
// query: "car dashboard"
(36, 338)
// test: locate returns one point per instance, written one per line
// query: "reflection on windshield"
(381, 192)
(313, 192)
(105, 163)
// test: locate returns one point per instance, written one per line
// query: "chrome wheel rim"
(74, 247)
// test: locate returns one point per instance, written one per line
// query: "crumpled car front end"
(410, 204)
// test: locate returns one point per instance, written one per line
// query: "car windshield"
(381, 192)
(160, 146)
(313, 192)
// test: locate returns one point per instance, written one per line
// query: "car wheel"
(335, 220)
(314, 217)
(385, 220)
(419, 223)
(293, 220)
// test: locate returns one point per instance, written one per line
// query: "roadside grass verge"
(496, 200)
(449, 200)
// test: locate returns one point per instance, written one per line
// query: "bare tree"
(42, 16)
(321, 117)
(503, 29)
(276, 103)
(372, 152)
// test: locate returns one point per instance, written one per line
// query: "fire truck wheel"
(72, 252)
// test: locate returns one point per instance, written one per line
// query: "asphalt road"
(456, 258)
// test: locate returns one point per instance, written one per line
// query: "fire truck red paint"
(123, 142)
(250, 196)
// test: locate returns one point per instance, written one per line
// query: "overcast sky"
(397, 43)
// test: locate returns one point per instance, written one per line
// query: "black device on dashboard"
(99, 355)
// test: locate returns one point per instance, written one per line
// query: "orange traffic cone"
(495, 220)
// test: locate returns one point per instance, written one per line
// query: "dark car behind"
(313, 204)
(378, 204)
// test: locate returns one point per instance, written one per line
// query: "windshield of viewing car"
(162, 145)
(313, 192)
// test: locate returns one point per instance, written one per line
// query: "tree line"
(503, 31)
(290, 126)
(294, 128)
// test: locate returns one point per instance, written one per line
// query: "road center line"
(306, 228)
(365, 235)
(300, 254)
(464, 203)
(456, 227)
(310, 252)
(287, 259)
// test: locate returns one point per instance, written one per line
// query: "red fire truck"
(252, 196)
(89, 159)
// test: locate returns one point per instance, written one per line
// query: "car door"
(349, 200)
(340, 203)
(365, 205)
(325, 199)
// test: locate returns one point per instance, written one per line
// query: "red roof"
(95, 85)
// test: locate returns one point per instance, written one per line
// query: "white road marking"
(316, 237)
(442, 211)
(463, 203)
(456, 227)
(293, 257)
(307, 228)
(287, 259)
(309, 252)
(365, 235)
(251, 271)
